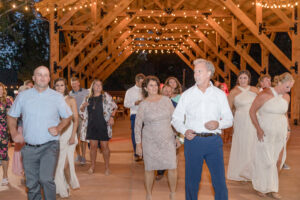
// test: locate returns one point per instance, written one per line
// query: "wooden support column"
(94, 12)
(54, 46)
(295, 94)
(265, 58)
(258, 14)
(234, 29)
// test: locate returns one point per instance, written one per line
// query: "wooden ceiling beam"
(170, 26)
(106, 41)
(238, 48)
(202, 54)
(109, 70)
(101, 59)
(277, 53)
(115, 54)
(95, 33)
(215, 50)
(81, 28)
(177, 13)
(159, 4)
(184, 59)
(283, 17)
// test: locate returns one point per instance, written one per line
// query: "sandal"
(4, 181)
(261, 194)
(274, 195)
(91, 171)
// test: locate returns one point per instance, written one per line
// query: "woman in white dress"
(67, 144)
(244, 135)
(272, 128)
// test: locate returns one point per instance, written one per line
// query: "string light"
(276, 3)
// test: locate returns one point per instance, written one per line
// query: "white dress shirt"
(132, 95)
(195, 108)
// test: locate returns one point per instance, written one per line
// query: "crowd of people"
(51, 126)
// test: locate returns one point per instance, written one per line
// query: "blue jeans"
(132, 120)
(39, 167)
(196, 151)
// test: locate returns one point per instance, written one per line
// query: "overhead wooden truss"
(91, 38)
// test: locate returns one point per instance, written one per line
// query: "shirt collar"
(80, 89)
(45, 91)
(207, 89)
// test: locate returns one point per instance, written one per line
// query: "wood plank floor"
(127, 179)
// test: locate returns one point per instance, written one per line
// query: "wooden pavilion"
(91, 38)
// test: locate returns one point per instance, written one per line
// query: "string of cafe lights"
(276, 3)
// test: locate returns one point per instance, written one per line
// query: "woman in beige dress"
(155, 139)
(65, 175)
(272, 133)
(244, 133)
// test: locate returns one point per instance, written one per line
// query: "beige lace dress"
(153, 129)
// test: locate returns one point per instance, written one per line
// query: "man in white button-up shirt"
(133, 98)
(201, 113)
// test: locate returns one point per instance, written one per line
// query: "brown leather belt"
(206, 134)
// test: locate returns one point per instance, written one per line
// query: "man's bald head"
(41, 68)
(41, 77)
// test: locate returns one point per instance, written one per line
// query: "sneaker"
(83, 161)
(4, 181)
(286, 167)
(78, 159)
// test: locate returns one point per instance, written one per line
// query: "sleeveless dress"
(153, 129)
(66, 153)
(244, 137)
(272, 119)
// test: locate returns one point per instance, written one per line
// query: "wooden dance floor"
(127, 179)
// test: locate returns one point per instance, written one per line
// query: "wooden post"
(54, 45)
(295, 94)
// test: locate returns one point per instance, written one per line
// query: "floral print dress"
(4, 139)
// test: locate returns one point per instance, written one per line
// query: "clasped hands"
(210, 125)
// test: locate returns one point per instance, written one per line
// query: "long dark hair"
(66, 92)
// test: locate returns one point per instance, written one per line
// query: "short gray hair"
(209, 65)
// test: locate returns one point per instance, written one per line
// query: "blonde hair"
(285, 77)
(91, 91)
(4, 96)
(178, 89)
(23, 88)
